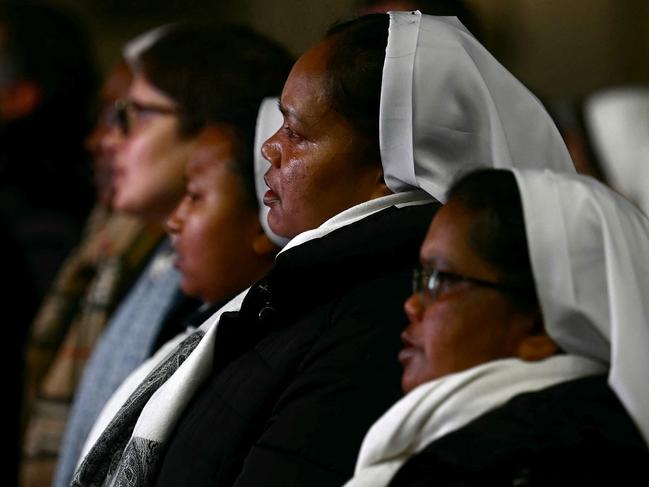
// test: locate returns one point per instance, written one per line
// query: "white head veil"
(269, 120)
(589, 249)
(134, 48)
(617, 120)
(448, 105)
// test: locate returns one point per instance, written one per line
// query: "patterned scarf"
(132, 462)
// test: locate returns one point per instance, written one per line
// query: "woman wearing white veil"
(288, 376)
(531, 414)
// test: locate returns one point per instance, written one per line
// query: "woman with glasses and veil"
(525, 357)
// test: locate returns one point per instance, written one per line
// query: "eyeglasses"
(430, 283)
(130, 113)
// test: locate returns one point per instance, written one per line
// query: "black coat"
(576, 433)
(306, 365)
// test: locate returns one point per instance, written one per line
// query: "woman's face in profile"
(465, 323)
(318, 163)
(214, 227)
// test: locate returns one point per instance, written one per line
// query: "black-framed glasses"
(128, 113)
(430, 283)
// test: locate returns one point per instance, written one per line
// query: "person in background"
(616, 120)
(523, 359)
(219, 228)
(92, 280)
(46, 94)
(183, 74)
(46, 97)
(288, 376)
(220, 245)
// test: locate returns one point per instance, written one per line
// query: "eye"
(193, 196)
(292, 134)
(440, 282)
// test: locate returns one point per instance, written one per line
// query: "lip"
(178, 260)
(406, 355)
(270, 196)
(409, 350)
(118, 172)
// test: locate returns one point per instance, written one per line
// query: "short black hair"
(498, 233)
(355, 73)
(214, 72)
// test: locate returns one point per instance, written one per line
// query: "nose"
(175, 222)
(271, 150)
(110, 139)
(414, 308)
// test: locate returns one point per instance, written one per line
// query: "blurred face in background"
(150, 160)
(220, 245)
(102, 142)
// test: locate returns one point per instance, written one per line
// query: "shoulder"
(574, 433)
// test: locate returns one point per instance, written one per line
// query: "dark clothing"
(45, 191)
(307, 364)
(575, 433)
(184, 312)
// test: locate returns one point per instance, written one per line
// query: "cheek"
(460, 337)
(296, 182)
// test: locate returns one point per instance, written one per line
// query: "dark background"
(559, 48)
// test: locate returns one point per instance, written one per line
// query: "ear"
(381, 189)
(536, 347)
(23, 98)
(535, 343)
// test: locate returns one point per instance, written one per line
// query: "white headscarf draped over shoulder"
(590, 257)
(448, 105)
(134, 48)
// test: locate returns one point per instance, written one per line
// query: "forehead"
(214, 147)
(142, 90)
(448, 241)
(304, 90)
(117, 83)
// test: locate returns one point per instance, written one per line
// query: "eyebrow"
(289, 112)
(435, 262)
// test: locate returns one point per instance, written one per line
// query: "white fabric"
(448, 105)
(358, 212)
(127, 387)
(617, 121)
(444, 405)
(168, 402)
(136, 46)
(269, 120)
(589, 249)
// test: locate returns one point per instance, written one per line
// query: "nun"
(524, 362)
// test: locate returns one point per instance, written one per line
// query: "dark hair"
(355, 68)
(570, 117)
(243, 164)
(214, 72)
(498, 231)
